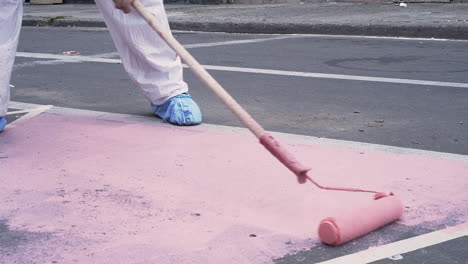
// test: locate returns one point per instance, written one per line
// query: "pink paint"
(358, 222)
(118, 191)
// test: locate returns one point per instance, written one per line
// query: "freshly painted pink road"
(117, 191)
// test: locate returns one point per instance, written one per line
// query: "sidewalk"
(415, 20)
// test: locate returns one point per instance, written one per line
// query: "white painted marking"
(236, 42)
(46, 62)
(31, 112)
(113, 55)
(18, 112)
(80, 58)
(327, 36)
(300, 139)
(258, 34)
(108, 55)
(335, 76)
(67, 58)
(403, 246)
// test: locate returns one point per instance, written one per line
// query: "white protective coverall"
(11, 14)
(148, 60)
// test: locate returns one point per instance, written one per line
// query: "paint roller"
(384, 209)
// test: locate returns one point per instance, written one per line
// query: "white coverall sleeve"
(148, 60)
(11, 15)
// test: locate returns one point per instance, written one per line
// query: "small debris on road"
(71, 52)
(403, 5)
(396, 257)
(52, 19)
(376, 123)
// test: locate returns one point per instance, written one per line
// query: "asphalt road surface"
(430, 116)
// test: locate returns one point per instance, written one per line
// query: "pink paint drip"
(126, 192)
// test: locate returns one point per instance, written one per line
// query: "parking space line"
(243, 41)
(110, 55)
(80, 58)
(31, 112)
(328, 36)
(41, 62)
(335, 76)
(380, 37)
(402, 246)
(17, 112)
(103, 29)
(66, 58)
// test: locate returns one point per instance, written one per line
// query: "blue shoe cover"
(179, 110)
(2, 123)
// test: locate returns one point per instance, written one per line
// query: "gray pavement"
(390, 113)
(435, 20)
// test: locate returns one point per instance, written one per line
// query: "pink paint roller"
(384, 209)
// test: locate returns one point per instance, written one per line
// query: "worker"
(153, 66)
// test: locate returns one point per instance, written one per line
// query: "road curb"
(45, 22)
(417, 31)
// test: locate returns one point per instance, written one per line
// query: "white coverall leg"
(148, 60)
(11, 15)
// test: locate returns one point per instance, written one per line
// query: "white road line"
(259, 34)
(380, 37)
(31, 112)
(335, 76)
(111, 55)
(108, 55)
(41, 62)
(403, 246)
(70, 58)
(324, 36)
(17, 112)
(300, 139)
(80, 58)
(236, 42)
